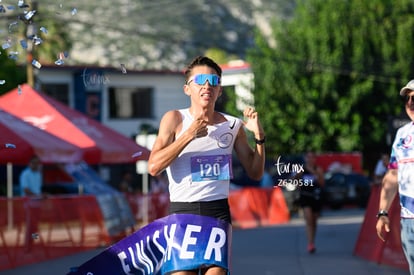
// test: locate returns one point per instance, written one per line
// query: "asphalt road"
(274, 250)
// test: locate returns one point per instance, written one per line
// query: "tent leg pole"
(10, 195)
(145, 190)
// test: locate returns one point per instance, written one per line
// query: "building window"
(60, 92)
(130, 102)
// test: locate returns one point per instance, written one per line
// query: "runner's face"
(202, 94)
(409, 105)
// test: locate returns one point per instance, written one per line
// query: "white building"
(125, 101)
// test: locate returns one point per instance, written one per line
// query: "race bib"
(211, 168)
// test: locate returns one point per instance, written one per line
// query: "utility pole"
(29, 59)
(30, 32)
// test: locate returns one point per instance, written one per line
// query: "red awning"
(100, 144)
(19, 141)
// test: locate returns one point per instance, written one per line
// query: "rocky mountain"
(159, 34)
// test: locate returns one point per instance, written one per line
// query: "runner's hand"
(383, 223)
(252, 123)
(198, 128)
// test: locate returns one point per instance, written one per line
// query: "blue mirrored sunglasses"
(200, 79)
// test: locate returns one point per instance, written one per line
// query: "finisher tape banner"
(175, 242)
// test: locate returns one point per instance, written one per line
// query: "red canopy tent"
(19, 141)
(99, 143)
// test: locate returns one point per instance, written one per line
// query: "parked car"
(342, 189)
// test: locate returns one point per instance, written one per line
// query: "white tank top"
(203, 170)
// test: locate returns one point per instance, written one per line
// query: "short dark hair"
(202, 61)
(34, 158)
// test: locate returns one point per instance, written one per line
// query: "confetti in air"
(29, 15)
(37, 40)
(137, 154)
(20, 3)
(59, 62)
(43, 29)
(2, 81)
(123, 69)
(6, 45)
(23, 43)
(11, 25)
(10, 146)
(13, 55)
(35, 236)
(61, 57)
(74, 11)
(36, 64)
(19, 90)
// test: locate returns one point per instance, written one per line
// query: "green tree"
(220, 56)
(10, 73)
(45, 28)
(333, 78)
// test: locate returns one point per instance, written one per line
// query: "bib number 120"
(216, 167)
(209, 170)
